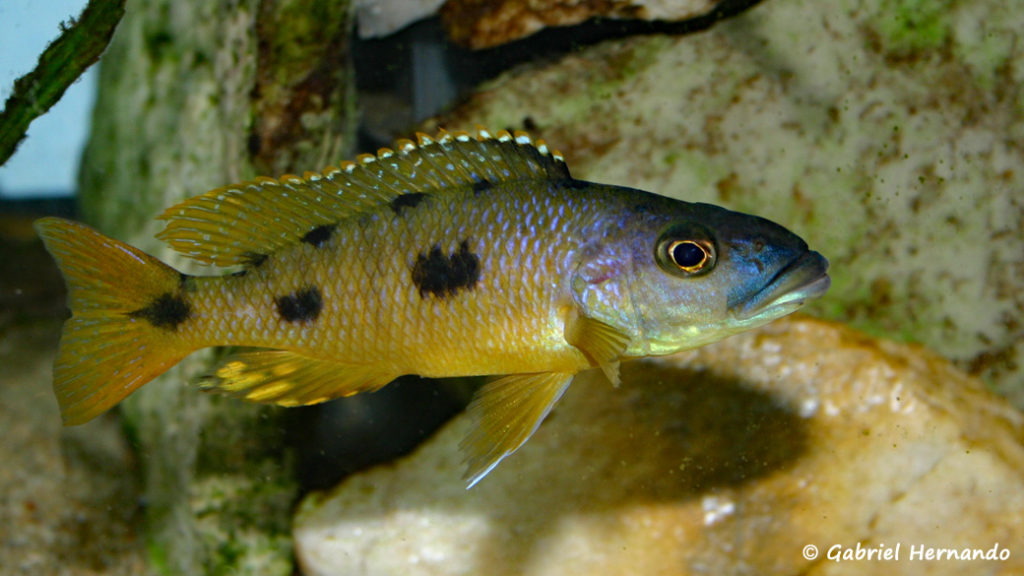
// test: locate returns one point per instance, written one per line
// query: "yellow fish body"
(454, 256)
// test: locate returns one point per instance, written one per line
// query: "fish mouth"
(803, 279)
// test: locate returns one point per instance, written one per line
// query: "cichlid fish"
(454, 256)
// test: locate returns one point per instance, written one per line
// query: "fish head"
(698, 273)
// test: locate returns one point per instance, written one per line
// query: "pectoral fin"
(601, 343)
(507, 412)
(290, 379)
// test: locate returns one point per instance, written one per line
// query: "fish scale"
(371, 306)
(455, 255)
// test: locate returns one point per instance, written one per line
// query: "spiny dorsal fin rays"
(229, 225)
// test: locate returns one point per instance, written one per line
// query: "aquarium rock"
(382, 17)
(488, 23)
(734, 458)
(889, 135)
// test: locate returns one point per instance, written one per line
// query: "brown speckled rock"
(487, 23)
(725, 460)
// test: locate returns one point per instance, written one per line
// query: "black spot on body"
(410, 200)
(254, 260)
(437, 274)
(166, 311)
(481, 186)
(319, 236)
(300, 306)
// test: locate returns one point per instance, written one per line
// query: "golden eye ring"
(687, 257)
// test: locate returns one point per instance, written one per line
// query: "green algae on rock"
(174, 117)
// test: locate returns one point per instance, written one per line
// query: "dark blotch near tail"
(166, 311)
(319, 236)
(437, 274)
(301, 306)
(481, 186)
(410, 200)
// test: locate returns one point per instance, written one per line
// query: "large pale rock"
(888, 134)
(726, 460)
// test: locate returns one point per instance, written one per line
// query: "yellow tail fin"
(126, 308)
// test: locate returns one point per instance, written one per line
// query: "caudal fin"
(126, 308)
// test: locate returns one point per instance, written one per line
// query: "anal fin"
(507, 411)
(290, 379)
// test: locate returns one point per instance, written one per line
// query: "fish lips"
(803, 279)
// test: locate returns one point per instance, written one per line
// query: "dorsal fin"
(234, 224)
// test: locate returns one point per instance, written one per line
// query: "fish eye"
(685, 255)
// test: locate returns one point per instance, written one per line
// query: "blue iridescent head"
(676, 275)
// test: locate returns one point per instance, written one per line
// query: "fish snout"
(802, 279)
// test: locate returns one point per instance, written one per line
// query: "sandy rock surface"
(731, 459)
(69, 503)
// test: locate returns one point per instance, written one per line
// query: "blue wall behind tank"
(46, 163)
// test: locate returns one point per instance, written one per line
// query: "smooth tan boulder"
(731, 459)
